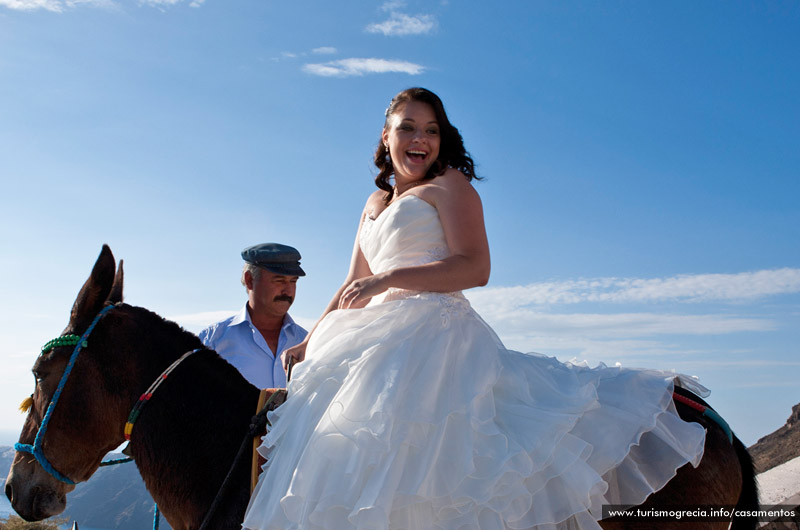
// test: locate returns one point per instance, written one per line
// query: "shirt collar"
(241, 317)
(288, 321)
(244, 316)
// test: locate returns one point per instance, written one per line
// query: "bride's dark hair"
(451, 147)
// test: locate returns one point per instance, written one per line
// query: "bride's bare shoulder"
(453, 184)
(375, 204)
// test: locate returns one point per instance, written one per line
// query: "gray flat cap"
(274, 257)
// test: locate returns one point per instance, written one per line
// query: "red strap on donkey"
(679, 396)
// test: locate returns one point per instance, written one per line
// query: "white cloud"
(106, 4)
(358, 67)
(523, 315)
(198, 321)
(30, 5)
(402, 24)
(393, 5)
(634, 338)
(169, 3)
(582, 347)
(324, 50)
(746, 286)
(59, 6)
(56, 6)
(621, 325)
(746, 363)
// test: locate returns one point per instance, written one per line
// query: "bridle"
(257, 423)
(81, 342)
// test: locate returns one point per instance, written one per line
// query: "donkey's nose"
(10, 492)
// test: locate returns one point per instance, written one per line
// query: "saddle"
(269, 399)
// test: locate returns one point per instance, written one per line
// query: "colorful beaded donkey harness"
(65, 340)
(80, 342)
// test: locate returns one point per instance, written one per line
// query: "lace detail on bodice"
(450, 304)
(434, 254)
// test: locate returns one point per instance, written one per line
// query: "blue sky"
(641, 164)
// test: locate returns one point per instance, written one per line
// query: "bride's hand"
(359, 292)
(295, 354)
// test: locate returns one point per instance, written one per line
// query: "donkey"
(184, 436)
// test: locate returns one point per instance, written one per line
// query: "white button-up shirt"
(240, 343)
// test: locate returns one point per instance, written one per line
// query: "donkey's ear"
(94, 292)
(115, 296)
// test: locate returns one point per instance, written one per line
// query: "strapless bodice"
(407, 233)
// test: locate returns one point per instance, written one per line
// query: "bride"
(409, 413)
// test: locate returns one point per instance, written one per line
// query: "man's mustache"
(283, 298)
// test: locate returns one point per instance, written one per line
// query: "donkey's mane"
(168, 326)
(194, 422)
(177, 341)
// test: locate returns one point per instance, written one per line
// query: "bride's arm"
(359, 268)
(461, 215)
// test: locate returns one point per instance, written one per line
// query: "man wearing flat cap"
(253, 339)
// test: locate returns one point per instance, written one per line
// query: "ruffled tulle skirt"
(410, 414)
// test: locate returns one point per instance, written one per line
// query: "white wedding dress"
(411, 414)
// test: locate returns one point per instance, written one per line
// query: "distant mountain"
(6, 457)
(780, 446)
(114, 498)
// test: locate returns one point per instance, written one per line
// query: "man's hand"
(295, 354)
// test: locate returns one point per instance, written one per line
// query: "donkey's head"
(73, 436)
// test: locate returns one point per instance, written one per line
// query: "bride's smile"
(413, 140)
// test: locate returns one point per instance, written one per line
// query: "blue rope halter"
(36, 448)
